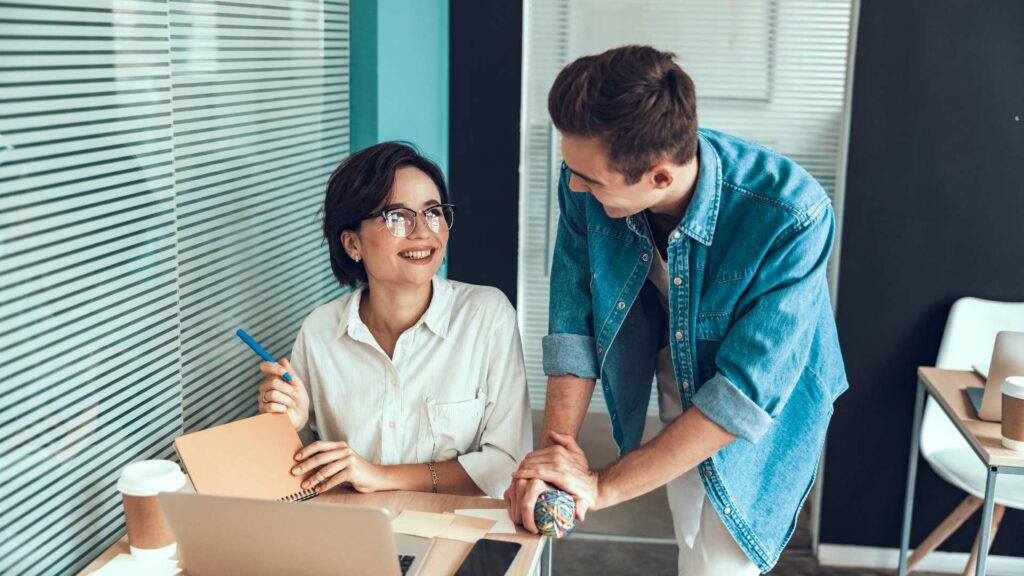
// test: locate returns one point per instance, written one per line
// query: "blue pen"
(259, 350)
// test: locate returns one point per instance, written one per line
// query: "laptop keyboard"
(404, 562)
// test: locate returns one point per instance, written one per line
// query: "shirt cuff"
(726, 405)
(490, 469)
(569, 354)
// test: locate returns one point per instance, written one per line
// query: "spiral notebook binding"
(300, 496)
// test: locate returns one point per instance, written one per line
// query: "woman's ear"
(350, 242)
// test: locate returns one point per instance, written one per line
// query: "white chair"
(968, 339)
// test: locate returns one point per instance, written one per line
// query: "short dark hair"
(360, 185)
(636, 99)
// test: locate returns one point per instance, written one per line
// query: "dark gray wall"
(934, 211)
(483, 169)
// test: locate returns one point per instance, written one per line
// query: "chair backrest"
(968, 339)
(971, 330)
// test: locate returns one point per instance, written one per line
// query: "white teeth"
(417, 255)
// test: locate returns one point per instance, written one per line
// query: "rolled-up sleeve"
(507, 429)
(569, 346)
(765, 351)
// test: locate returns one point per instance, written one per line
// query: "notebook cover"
(249, 458)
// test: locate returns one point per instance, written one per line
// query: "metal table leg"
(986, 520)
(545, 557)
(908, 506)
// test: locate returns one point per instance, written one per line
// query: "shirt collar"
(702, 214)
(437, 317)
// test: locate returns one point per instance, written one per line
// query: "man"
(698, 260)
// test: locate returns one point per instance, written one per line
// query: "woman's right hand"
(276, 395)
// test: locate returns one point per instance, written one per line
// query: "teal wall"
(400, 74)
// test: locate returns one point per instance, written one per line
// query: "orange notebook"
(250, 458)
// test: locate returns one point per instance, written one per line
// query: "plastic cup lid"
(1014, 386)
(150, 477)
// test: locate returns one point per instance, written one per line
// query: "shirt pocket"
(711, 328)
(454, 426)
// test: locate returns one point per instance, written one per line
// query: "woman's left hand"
(335, 463)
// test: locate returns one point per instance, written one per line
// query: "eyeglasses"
(402, 221)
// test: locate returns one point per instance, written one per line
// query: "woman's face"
(410, 260)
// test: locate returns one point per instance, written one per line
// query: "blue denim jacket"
(753, 336)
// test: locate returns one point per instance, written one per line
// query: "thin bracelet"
(433, 476)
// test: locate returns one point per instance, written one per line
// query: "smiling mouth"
(417, 255)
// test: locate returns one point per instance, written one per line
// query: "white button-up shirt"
(455, 388)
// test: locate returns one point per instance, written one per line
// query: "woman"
(411, 381)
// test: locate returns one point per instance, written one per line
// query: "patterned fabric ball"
(555, 513)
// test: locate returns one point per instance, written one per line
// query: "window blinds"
(160, 168)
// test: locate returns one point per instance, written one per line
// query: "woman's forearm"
(451, 478)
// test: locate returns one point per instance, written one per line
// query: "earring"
(357, 258)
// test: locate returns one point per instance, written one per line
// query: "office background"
(162, 163)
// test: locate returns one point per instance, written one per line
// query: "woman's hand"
(335, 463)
(276, 395)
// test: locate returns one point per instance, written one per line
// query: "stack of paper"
(447, 525)
(125, 565)
(503, 524)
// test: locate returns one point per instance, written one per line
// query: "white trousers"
(706, 548)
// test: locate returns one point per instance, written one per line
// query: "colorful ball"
(555, 513)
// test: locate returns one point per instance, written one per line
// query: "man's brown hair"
(636, 99)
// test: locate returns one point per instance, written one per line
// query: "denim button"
(599, 350)
(727, 511)
(645, 257)
(679, 335)
(686, 385)
(709, 473)
(677, 234)
(677, 281)
(621, 304)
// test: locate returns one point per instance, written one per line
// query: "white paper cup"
(1013, 413)
(149, 534)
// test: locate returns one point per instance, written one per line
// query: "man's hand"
(564, 465)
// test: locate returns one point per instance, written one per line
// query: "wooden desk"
(445, 556)
(949, 388)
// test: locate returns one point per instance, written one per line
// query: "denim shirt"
(752, 332)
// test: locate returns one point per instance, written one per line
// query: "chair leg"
(943, 531)
(972, 562)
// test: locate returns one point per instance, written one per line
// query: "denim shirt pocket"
(708, 333)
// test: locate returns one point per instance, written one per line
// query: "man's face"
(587, 158)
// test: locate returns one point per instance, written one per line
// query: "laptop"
(222, 535)
(1007, 361)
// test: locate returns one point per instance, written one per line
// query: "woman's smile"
(420, 255)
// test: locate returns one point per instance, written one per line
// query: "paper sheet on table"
(500, 515)
(467, 529)
(125, 565)
(422, 524)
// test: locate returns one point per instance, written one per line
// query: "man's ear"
(661, 175)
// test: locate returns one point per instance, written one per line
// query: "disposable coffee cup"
(149, 534)
(1013, 413)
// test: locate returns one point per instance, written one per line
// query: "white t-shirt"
(669, 402)
(456, 387)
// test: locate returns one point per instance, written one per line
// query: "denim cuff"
(570, 354)
(726, 405)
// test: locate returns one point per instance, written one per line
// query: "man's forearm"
(688, 441)
(566, 405)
